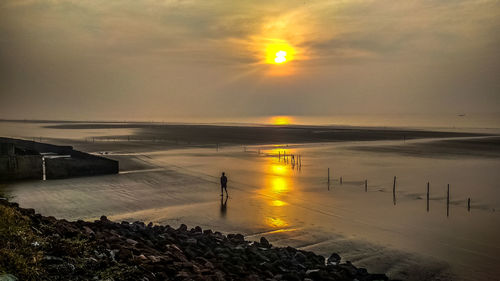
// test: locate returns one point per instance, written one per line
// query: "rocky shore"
(35, 247)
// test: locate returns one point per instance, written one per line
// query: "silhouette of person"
(223, 207)
(223, 184)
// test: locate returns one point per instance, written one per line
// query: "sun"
(279, 52)
(281, 120)
(280, 57)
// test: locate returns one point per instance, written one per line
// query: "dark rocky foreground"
(35, 247)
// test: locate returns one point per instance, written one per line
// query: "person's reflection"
(223, 207)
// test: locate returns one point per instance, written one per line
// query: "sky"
(157, 60)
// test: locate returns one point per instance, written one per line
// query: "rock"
(182, 228)
(124, 255)
(334, 258)
(154, 252)
(191, 241)
(182, 274)
(299, 257)
(88, 231)
(154, 259)
(311, 271)
(264, 242)
(131, 241)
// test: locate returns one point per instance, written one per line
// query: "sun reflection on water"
(276, 222)
(277, 190)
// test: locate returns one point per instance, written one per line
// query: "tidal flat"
(170, 176)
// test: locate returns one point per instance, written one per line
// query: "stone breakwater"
(105, 250)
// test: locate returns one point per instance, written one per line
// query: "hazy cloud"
(153, 59)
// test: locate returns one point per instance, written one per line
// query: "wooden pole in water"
(427, 196)
(328, 175)
(340, 180)
(394, 191)
(468, 204)
(448, 201)
(394, 185)
(366, 185)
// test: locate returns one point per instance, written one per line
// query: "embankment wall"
(21, 167)
(38, 146)
(80, 164)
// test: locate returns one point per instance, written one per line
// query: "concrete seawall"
(21, 167)
(22, 159)
(79, 164)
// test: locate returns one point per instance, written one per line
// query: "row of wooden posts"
(291, 158)
(394, 193)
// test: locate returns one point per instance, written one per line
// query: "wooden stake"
(366, 185)
(448, 201)
(328, 175)
(394, 185)
(427, 196)
(340, 180)
(394, 191)
(468, 204)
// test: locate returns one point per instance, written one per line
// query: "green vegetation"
(19, 253)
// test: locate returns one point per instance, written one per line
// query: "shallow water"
(296, 206)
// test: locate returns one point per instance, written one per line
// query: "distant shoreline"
(131, 123)
(250, 135)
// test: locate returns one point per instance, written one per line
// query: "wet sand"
(297, 207)
(484, 147)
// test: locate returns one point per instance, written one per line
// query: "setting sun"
(281, 120)
(280, 57)
(279, 52)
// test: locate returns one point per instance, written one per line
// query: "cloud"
(163, 58)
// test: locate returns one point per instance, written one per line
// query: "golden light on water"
(277, 189)
(278, 185)
(278, 169)
(278, 203)
(281, 120)
(276, 222)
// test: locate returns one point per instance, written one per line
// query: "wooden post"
(366, 185)
(340, 180)
(448, 201)
(468, 204)
(394, 185)
(394, 191)
(427, 196)
(328, 175)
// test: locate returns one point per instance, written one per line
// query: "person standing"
(223, 184)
